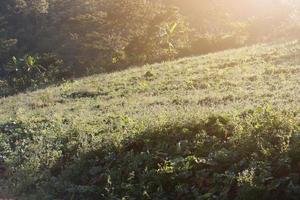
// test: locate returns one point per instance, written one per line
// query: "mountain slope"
(147, 132)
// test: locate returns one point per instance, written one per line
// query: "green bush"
(93, 36)
(203, 44)
(33, 71)
(140, 32)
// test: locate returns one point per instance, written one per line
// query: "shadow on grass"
(254, 155)
(204, 160)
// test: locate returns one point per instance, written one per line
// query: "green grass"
(219, 126)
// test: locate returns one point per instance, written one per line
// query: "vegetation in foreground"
(221, 126)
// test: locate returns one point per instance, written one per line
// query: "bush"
(203, 44)
(140, 32)
(33, 71)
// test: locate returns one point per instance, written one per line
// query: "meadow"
(219, 126)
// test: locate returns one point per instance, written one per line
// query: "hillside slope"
(222, 125)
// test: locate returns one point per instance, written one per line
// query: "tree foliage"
(32, 71)
(92, 36)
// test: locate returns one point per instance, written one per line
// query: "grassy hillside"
(220, 126)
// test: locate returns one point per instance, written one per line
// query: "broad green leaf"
(30, 61)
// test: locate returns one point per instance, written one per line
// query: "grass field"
(219, 126)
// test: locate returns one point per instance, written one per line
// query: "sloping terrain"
(219, 126)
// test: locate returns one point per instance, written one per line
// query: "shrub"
(203, 44)
(140, 32)
(33, 71)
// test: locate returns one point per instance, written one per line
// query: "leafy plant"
(33, 71)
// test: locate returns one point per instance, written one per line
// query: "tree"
(94, 36)
(6, 44)
(139, 32)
